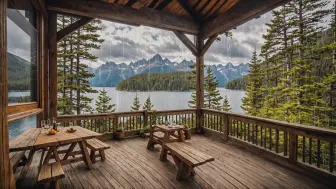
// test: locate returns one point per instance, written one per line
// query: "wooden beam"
(193, 14)
(52, 63)
(184, 39)
(240, 13)
(163, 5)
(118, 13)
(72, 27)
(6, 174)
(208, 44)
(199, 85)
(45, 64)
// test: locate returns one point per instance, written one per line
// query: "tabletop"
(39, 138)
(169, 128)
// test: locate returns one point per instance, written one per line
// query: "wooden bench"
(185, 157)
(51, 173)
(97, 145)
(17, 159)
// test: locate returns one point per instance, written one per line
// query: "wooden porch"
(130, 165)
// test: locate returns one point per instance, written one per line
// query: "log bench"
(96, 145)
(185, 157)
(51, 173)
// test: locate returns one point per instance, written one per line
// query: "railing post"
(199, 120)
(115, 123)
(145, 114)
(226, 127)
(292, 147)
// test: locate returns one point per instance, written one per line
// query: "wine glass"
(43, 124)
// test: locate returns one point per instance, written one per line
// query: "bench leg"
(54, 185)
(163, 155)
(183, 171)
(102, 155)
(93, 156)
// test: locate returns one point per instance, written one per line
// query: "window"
(22, 53)
(18, 127)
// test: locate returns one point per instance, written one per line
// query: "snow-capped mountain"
(111, 73)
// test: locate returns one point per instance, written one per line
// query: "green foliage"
(103, 103)
(252, 102)
(226, 105)
(192, 78)
(73, 74)
(237, 84)
(212, 97)
(120, 129)
(136, 103)
(172, 81)
(148, 106)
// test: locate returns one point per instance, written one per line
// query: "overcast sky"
(125, 43)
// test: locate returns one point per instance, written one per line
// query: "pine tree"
(252, 103)
(136, 104)
(148, 106)
(192, 78)
(212, 97)
(226, 105)
(103, 103)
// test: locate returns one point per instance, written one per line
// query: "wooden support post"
(6, 174)
(292, 147)
(226, 128)
(199, 84)
(115, 123)
(145, 118)
(45, 62)
(53, 63)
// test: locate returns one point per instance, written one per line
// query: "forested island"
(172, 81)
(237, 84)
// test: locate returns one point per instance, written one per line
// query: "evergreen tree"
(212, 97)
(226, 105)
(252, 103)
(148, 106)
(136, 104)
(192, 78)
(103, 103)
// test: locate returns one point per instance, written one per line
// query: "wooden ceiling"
(200, 10)
(204, 18)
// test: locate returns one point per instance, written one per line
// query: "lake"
(164, 100)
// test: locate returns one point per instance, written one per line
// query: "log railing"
(307, 146)
(130, 121)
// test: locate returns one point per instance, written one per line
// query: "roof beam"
(72, 27)
(240, 13)
(118, 13)
(185, 40)
(163, 4)
(208, 43)
(192, 13)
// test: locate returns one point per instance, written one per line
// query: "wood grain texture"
(52, 23)
(237, 14)
(129, 165)
(72, 27)
(6, 176)
(117, 13)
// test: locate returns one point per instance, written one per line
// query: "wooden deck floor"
(130, 165)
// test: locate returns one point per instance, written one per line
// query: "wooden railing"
(307, 146)
(130, 121)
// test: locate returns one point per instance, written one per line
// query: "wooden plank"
(57, 171)
(185, 40)
(21, 107)
(45, 174)
(52, 63)
(240, 13)
(72, 27)
(199, 84)
(19, 116)
(117, 13)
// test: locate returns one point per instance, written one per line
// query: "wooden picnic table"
(169, 135)
(37, 138)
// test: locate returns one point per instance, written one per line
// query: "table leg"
(28, 163)
(164, 151)
(72, 146)
(150, 144)
(56, 156)
(85, 154)
(48, 156)
(181, 136)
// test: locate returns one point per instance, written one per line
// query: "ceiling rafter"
(163, 5)
(122, 14)
(192, 13)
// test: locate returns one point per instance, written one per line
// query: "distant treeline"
(172, 81)
(237, 84)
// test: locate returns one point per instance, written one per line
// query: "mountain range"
(111, 73)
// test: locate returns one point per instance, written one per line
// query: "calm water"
(124, 100)
(163, 100)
